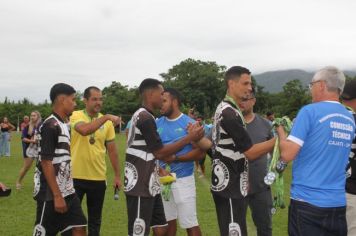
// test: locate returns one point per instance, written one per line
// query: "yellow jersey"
(88, 156)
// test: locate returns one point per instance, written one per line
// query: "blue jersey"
(325, 131)
(171, 131)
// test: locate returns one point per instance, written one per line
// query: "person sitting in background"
(28, 138)
(6, 128)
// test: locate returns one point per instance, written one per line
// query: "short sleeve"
(233, 125)
(110, 135)
(49, 139)
(75, 118)
(301, 127)
(149, 132)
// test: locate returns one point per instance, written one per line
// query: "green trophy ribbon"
(276, 167)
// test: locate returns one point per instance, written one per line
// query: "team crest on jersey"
(220, 176)
(37, 182)
(64, 180)
(244, 183)
(131, 176)
(244, 180)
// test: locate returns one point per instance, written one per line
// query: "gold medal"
(92, 140)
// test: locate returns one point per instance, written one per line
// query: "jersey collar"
(232, 102)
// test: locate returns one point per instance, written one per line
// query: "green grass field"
(17, 212)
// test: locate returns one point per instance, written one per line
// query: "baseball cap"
(349, 92)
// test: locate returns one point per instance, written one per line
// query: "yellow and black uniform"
(88, 160)
(89, 166)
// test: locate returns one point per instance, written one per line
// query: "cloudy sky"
(94, 42)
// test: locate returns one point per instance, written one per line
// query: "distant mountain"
(273, 81)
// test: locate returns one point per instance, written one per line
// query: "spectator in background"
(270, 119)
(127, 128)
(270, 116)
(6, 128)
(349, 99)
(192, 114)
(29, 138)
(200, 164)
(25, 122)
(23, 125)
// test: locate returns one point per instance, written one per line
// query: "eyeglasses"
(310, 85)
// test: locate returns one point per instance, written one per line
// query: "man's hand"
(3, 186)
(60, 204)
(117, 182)
(281, 132)
(170, 159)
(195, 131)
(163, 172)
(116, 120)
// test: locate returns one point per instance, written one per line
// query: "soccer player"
(231, 150)
(58, 207)
(144, 148)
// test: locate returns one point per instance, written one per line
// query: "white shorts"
(182, 203)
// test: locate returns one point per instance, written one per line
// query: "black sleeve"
(149, 132)
(232, 124)
(49, 139)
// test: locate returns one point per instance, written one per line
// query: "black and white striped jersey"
(141, 167)
(54, 137)
(230, 140)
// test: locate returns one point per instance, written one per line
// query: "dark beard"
(168, 113)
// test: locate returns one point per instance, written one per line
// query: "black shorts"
(223, 212)
(55, 222)
(151, 211)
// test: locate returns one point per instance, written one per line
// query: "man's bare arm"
(49, 173)
(89, 128)
(113, 156)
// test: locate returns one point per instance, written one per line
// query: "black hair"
(174, 94)
(148, 84)
(269, 113)
(87, 91)
(60, 89)
(253, 91)
(235, 72)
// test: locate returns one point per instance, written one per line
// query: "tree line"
(200, 82)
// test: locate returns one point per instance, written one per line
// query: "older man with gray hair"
(319, 144)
